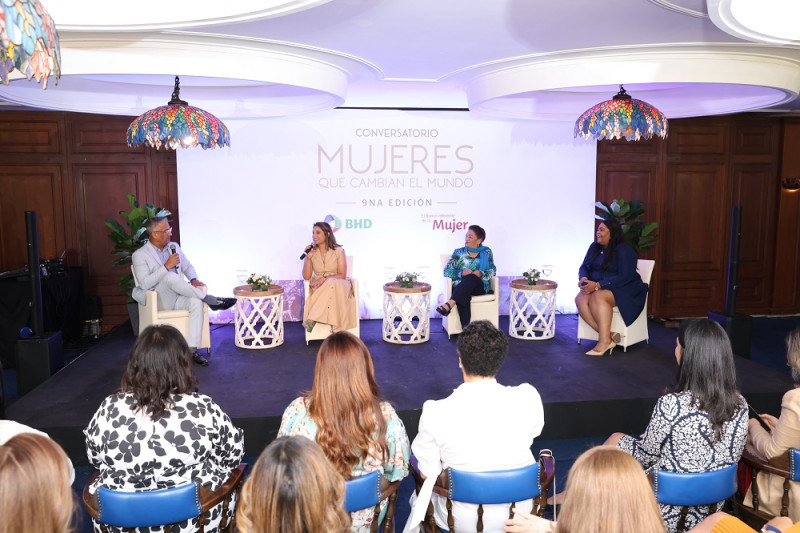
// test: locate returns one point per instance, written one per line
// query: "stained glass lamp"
(28, 41)
(178, 124)
(622, 116)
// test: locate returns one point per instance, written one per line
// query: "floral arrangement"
(407, 279)
(260, 282)
(532, 275)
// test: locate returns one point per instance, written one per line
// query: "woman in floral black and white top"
(701, 425)
(158, 432)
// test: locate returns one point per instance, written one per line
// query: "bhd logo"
(349, 223)
(334, 222)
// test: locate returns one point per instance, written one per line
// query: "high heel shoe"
(608, 350)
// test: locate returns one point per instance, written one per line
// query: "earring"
(459, 365)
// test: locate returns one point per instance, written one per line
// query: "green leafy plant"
(128, 240)
(628, 214)
(532, 275)
(260, 282)
(407, 279)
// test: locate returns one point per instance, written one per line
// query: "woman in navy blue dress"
(608, 278)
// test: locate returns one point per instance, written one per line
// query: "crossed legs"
(596, 309)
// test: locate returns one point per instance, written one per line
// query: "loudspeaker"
(37, 359)
(738, 328)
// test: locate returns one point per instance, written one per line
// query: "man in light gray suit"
(161, 266)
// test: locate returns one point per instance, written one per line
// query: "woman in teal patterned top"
(345, 414)
(470, 268)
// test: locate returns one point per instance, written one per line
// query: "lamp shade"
(622, 116)
(178, 124)
(28, 41)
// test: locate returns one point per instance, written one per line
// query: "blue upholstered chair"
(786, 466)
(162, 507)
(694, 489)
(485, 488)
(368, 491)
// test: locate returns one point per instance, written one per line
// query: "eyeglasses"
(168, 230)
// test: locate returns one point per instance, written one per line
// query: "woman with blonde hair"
(35, 492)
(346, 415)
(292, 489)
(607, 492)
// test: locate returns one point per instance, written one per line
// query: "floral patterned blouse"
(680, 438)
(193, 440)
(297, 421)
(461, 260)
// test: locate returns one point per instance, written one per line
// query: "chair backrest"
(368, 491)
(697, 488)
(445, 258)
(645, 268)
(692, 489)
(499, 486)
(135, 280)
(794, 463)
(162, 507)
(148, 508)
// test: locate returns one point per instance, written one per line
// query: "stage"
(584, 397)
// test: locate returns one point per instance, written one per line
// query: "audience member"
(470, 267)
(9, 429)
(481, 426)
(702, 424)
(607, 492)
(35, 491)
(784, 434)
(158, 431)
(344, 412)
(293, 488)
(331, 300)
(721, 522)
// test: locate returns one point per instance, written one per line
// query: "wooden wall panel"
(29, 188)
(786, 281)
(693, 136)
(752, 191)
(692, 243)
(100, 135)
(101, 195)
(34, 137)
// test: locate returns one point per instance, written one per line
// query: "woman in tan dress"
(331, 300)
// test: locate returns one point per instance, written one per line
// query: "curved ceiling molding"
(252, 78)
(693, 8)
(765, 21)
(680, 81)
(145, 15)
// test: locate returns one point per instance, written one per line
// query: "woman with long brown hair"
(293, 488)
(35, 491)
(346, 415)
(158, 431)
(331, 298)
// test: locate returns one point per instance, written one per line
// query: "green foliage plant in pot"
(128, 240)
(628, 215)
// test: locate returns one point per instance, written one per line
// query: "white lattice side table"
(258, 317)
(406, 313)
(532, 310)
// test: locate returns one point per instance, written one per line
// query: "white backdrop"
(399, 187)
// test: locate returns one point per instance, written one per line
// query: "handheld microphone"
(174, 251)
(305, 252)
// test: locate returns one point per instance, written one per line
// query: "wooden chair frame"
(208, 499)
(384, 490)
(547, 469)
(783, 466)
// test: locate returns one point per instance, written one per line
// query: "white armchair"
(636, 332)
(149, 315)
(320, 330)
(483, 307)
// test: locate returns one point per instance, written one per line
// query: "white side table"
(406, 313)
(532, 310)
(258, 317)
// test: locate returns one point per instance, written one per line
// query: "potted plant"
(628, 214)
(128, 240)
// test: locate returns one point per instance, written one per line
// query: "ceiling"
(527, 59)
